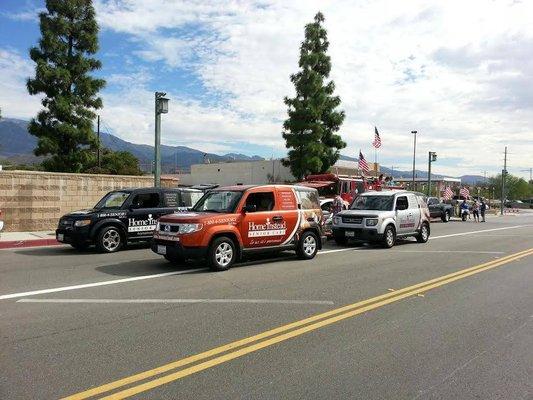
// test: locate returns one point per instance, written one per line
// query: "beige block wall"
(34, 201)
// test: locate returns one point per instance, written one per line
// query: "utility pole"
(432, 156)
(98, 135)
(414, 158)
(161, 107)
(504, 174)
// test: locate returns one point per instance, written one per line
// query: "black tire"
(221, 254)
(80, 246)
(174, 259)
(423, 235)
(307, 246)
(463, 217)
(109, 239)
(389, 236)
(339, 238)
(446, 217)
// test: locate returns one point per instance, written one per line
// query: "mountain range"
(16, 146)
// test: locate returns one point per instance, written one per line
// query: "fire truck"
(347, 186)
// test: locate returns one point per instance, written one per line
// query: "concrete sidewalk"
(27, 239)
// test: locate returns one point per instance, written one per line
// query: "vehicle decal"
(227, 220)
(112, 214)
(141, 225)
(267, 229)
(296, 228)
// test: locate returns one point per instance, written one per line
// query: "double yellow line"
(254, 343)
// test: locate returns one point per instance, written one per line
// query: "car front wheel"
(109, 240)
(221, 254)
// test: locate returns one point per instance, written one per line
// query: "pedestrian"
(475, 210)
(338, 205)
(482, 209)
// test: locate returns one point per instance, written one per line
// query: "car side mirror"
(248, 208)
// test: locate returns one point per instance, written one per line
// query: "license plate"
(60, 237)
(349, 233)
(161, 249)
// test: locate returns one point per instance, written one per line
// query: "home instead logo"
(267, 229)
(141, 225)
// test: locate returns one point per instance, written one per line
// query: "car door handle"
(277, 218)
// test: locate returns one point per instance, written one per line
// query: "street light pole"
(504, 174)
(161, 107)
(432, 156)
(414, 157)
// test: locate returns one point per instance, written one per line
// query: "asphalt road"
(450, 319)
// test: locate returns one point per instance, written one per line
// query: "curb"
(15, 244)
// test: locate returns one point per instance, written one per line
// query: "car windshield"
(219, 201)
(379, 203)
(113, 200)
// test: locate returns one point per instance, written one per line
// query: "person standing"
(482, 209)
(338, 205)
(475, 210)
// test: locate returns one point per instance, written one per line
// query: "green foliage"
(69, 36)
(516, 188)
(310, 130)
(117, 163)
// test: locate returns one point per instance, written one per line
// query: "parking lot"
(451, 318)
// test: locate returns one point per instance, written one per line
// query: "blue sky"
(456, 72)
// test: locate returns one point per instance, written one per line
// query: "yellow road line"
(324, 319)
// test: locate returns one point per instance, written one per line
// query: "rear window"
(308, 199)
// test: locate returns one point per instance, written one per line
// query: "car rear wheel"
(446, 217)
(423, 235)
(307, 246)
(389, 236)
(221, 254)
(109, 239)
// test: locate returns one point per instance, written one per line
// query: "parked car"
(122, 216)
(230, 222)
(438, 209)
(382, 217)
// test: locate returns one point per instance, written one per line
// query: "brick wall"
(34, 201)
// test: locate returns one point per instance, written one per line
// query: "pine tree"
(310, 131)
(63, 57)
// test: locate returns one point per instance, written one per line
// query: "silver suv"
(382, 217)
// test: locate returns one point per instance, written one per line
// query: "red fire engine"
(347, 186)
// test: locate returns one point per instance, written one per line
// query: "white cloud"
(14, 99)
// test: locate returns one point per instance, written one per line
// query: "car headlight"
(190, 228)
(336, 220)
(82, 222)
(371, 221)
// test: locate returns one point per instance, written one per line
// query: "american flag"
(362, 162)
(448, 194)
(377, 140)
(464, 192)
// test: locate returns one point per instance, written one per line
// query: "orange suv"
(229, 222)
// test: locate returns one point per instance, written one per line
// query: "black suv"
(122, 216)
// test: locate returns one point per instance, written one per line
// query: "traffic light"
(433, 156)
